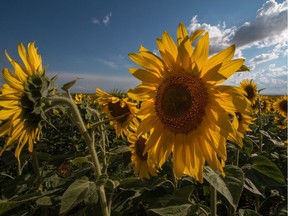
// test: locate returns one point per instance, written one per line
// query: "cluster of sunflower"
(179, 109)
(264, 105)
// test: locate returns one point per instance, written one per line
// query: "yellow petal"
(218, 58)
(144, 75)
(181, 33)
(201, 51)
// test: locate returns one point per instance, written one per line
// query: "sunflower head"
(21, 105)
(119, 109)
(250, 88)
(144, 167)
(183, 107)
(280, 106)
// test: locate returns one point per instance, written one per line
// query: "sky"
(91, 39)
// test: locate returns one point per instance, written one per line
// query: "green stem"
(260, 124)
(36, 169)
(76, 117)
(213, 201)
(19, 168)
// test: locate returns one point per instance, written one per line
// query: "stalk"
(36, 169)
(77, 119)
(213, 201)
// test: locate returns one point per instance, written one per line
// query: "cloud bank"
(267, 31)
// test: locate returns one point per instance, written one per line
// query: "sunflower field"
(180, 143)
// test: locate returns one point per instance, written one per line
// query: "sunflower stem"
(213, 201)
(77, 119)
(260, 124)
(36, 169)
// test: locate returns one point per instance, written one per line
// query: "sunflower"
(115, 107)
(78, 98)
(280, 106)
(144, 167)
(265, 104)
(250, 88)
(20, 107)
(183, 107)
(242, 121)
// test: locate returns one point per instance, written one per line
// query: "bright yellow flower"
(250, 88)
(183, 107)
(242, 121)
(265, 104)
(144, 167)
(78, 98)
(280, 106)
(114, 107)
(20, 95)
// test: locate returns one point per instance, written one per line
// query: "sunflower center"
(250, 92)
(283, 106)
(139, 148)
(238, 116)
(180, 102)
(116, 111)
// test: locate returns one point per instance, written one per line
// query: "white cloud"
(268, 28)
(105, 20)
(110, 64)
(264, 57)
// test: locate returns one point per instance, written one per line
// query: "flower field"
(179, 143)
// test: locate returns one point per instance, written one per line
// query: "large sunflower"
(183, 107)
(250, 88)
(19, 98)
(280, 106)
(144, 167)
(114, 107)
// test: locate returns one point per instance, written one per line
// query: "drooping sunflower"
(250, 88)
(280, 106)
(183, 107)
(144, 167)
(20, 106)
(114, 107)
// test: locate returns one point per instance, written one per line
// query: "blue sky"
(91, 39)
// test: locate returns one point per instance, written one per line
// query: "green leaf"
(79, 160)
(268, 168)
(44, 201)
(248, 212)
(231, 186)
(177, 210)
(68, 85)
(6, 205)
(77, 192)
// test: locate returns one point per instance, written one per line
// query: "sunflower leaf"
(266, 167)
(68, 85)
(76, 193)
(230, 186)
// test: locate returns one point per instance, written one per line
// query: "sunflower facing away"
(250, 88)
(114, 107)
(280, 106)
(183, 107)
(144, 167)
(19, 98)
